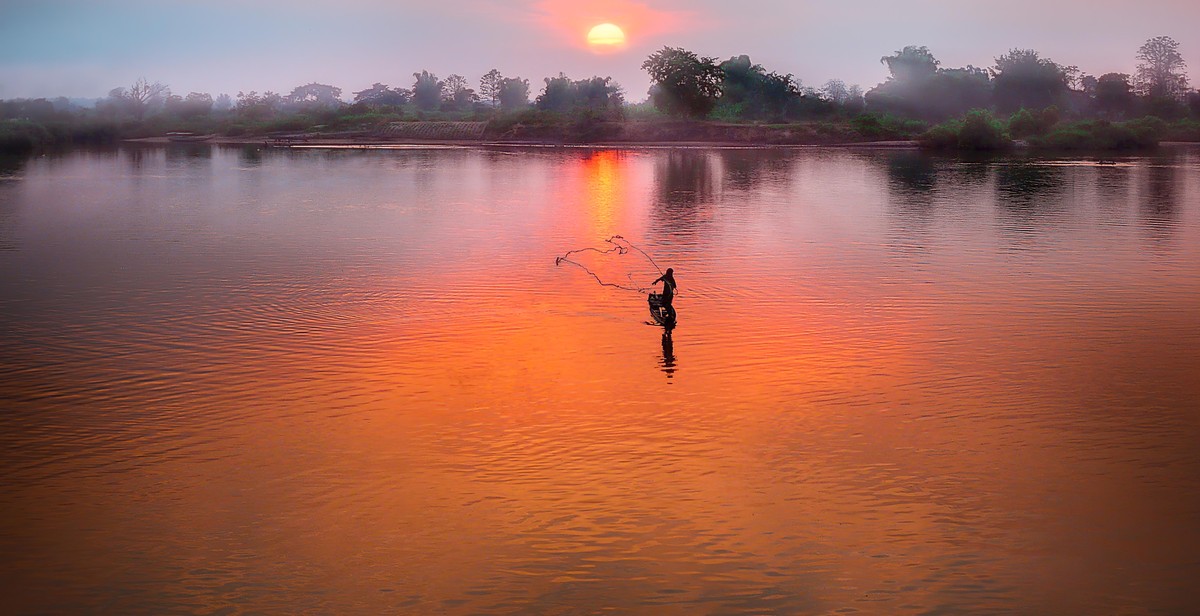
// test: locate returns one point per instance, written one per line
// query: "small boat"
(658, 311)
(186, 136)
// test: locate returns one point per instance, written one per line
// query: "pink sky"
(85, 48)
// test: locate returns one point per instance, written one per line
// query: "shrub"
(1101, 135)
(1184, 130)
(978, 130)
(21, 136)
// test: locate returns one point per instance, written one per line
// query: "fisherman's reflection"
(668, 348)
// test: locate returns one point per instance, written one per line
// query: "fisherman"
(668, 293)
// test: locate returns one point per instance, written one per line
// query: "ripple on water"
(356, 381)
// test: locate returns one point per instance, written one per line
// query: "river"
(346, 381)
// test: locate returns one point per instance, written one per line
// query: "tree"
(918, 88)
(315, 95)
(195, 105)
(456, 94)
(1114, 94)
(140, 97)
(1161, 70)
(381, 95)
(514, 93)
(557, 95)
(1021, 78)
(254, 107)
(223, 103)
(687, 84)
(427, 90)
(748, 90)
(599, 95)
(489, 86)
(911, 64)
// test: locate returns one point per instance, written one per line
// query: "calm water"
(348, 381)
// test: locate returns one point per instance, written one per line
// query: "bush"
(885, 126)
(21, 136)
(1025, 123)
(977, 130)
(1184, 130)
(1102, 135)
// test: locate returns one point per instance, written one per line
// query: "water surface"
(354, 381)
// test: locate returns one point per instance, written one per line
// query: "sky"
(84, 48)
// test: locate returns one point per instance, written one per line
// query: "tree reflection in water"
(683, 191)
(1159, 211)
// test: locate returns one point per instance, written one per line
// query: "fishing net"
(605, 266)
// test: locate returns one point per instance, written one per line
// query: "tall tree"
(457, 94)
(1161, 70)
(315, 95)
(748, 90)
(140, 97)
(255, 107)
(1114, 95)
(489, 86)
(912, 63)
(557, 95)
(687, 84)
(195, 105)
(1022, 78)
(381, 95)
(919, 88)
(427, 90)
(514, 93)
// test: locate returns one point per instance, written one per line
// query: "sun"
(606, 37)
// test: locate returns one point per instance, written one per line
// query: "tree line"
(919, 87)
(1035, 91)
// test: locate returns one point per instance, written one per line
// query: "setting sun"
(606, 37)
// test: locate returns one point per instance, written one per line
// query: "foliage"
(514, 93)
(1161, 70)
(918, 88)
(1025, 123)
(1097, 135)
(876, 127)
(137, 99)
(1022, 78)
(749, 91)
(380, 95)
(685, 84)
(490, 85)
(911, 64)
(1183, 130)
(252, 106)
(427, 90)
(1165, 107)
(314, 95)
(456, 96)
(849, 98)
(597, 94)
(1114, 95)
(978, 129)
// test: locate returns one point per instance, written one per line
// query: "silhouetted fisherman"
(668, 294)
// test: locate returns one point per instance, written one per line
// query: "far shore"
(408, 143)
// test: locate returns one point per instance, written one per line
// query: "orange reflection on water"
(385, 409)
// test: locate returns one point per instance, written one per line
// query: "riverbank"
(409, 143)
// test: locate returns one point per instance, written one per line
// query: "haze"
(84, 49)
